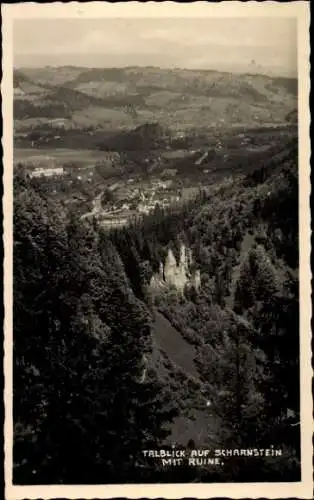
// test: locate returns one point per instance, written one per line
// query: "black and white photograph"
(158, 312)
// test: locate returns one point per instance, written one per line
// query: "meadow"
(79, 157)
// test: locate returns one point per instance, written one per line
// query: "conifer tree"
(81, 407)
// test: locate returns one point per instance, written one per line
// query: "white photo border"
(298, 9)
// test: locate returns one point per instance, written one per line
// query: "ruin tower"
(161, 271)
(170, 269)
(176, 274)
(183, 256)
(189, 257)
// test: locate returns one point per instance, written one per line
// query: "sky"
(266, 45)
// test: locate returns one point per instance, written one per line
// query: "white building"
(46, 172)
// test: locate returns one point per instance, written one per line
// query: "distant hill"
(292, 116)
(98, 74)
(59, 102)
(177, 99)
(147, 136)
(24, 109)
(73, 99)
(23, 85)
(19, 78)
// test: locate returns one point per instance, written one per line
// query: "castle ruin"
(177, 274)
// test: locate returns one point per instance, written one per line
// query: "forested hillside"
(80, 335)
(244, 321)
(96, 380)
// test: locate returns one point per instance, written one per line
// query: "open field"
(79, 157)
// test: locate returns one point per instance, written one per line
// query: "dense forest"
(92, 390)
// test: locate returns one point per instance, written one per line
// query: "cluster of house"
(143, 200)
(136, 202)
(161, 193)
(117, 220)
(148, 204)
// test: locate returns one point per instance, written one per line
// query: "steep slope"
(169, 340)
(174, 360)
(243, 324)
(80, 336)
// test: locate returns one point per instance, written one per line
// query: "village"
(112, 191)
(115, 200)
(121, 202)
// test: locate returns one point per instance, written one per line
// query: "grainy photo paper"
(157, 244)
